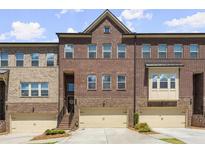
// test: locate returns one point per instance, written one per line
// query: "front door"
(198, 93)
(71, 104)
(2, 100)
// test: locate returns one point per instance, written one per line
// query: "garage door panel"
(22, 123)
(103, 118)
(163, 117)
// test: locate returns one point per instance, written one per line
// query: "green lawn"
(173, 140)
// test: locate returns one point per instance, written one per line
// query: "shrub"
(142, 127)
(136, 118)
(54, 132)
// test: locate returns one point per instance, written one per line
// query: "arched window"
(163, 81)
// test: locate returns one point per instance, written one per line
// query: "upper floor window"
(154, 81)
(172, 81)
(19, 59)
(106, 29)
(178, 50)
(194, 49)
(146, 51)
(34, 89)
(92, 51)
(107, 50)
(121, 82)
(121, 50)
(69, 51)
(162, 51)
(163, 81)
(3, 59)
(106, 82)
(91, 82)
(35, 59)
(50, 59)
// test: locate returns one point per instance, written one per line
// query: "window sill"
(92, 89)
(121, 89)
(34, 96)
(106, 89)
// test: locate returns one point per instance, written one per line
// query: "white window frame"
(67, 51)
(3, 59)
(105, 28)
(104, 51)
(107, 82)
(178, 51)
(125, 82)
(153, 80)
(89, 51)
(20, 59)
(35, 59)
(194, 51)
(89, 82)
(50, 60)
(172, 74)
(142, 51)
(118, 51)
(30, 89)
(163, 52)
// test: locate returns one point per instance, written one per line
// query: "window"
(91, 82)
(146, 51)
(44, 89)
(24, 89)
(50, 59)
(162, 51)
(69, 51)
(92, 51)
(173, 81)
(3, 59)
(178, 50)
(106, 29)
(107, 51)
(154, 81)
(194, 50)
(163, 81)
(121, 50)
(35, 59)
(19, 59)
(121, 82)
(34, 89)
(70, 87)
(106, 81)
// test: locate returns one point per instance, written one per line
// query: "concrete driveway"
(188, 135)
(109, 136)
(17, 138)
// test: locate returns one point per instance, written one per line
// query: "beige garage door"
(103, 118)
(164, 117)
(23, 123)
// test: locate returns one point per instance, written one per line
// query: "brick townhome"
(101, 77)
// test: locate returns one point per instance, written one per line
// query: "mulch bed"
(44, 136)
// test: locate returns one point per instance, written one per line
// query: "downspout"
(134, 110)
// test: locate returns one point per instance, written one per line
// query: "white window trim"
(104, 29)
(163, 52)
(30, 89)
(4, 59)
(149, 51)
(95, 82)
(73, 50)
(194, 51)
(178, 51)
(104, 51)
(121, 52)
(153, 80)
(125, 82)
(110, 82)
(21, 59)
(88, 51)
(47, 59)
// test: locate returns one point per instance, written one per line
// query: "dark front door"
(2, 100)
(71, 104)
(198, 93)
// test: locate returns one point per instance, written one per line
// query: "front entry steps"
(68, 122)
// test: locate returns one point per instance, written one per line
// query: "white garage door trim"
(32, 123)
(163, 117)
(103, 118)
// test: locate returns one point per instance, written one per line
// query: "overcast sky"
(41, 25)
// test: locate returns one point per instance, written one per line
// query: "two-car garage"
(32, 123)
(103, 117)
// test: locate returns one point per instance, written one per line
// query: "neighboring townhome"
(28, 86)
(107, 73)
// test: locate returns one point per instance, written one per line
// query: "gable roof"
(105, 14)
